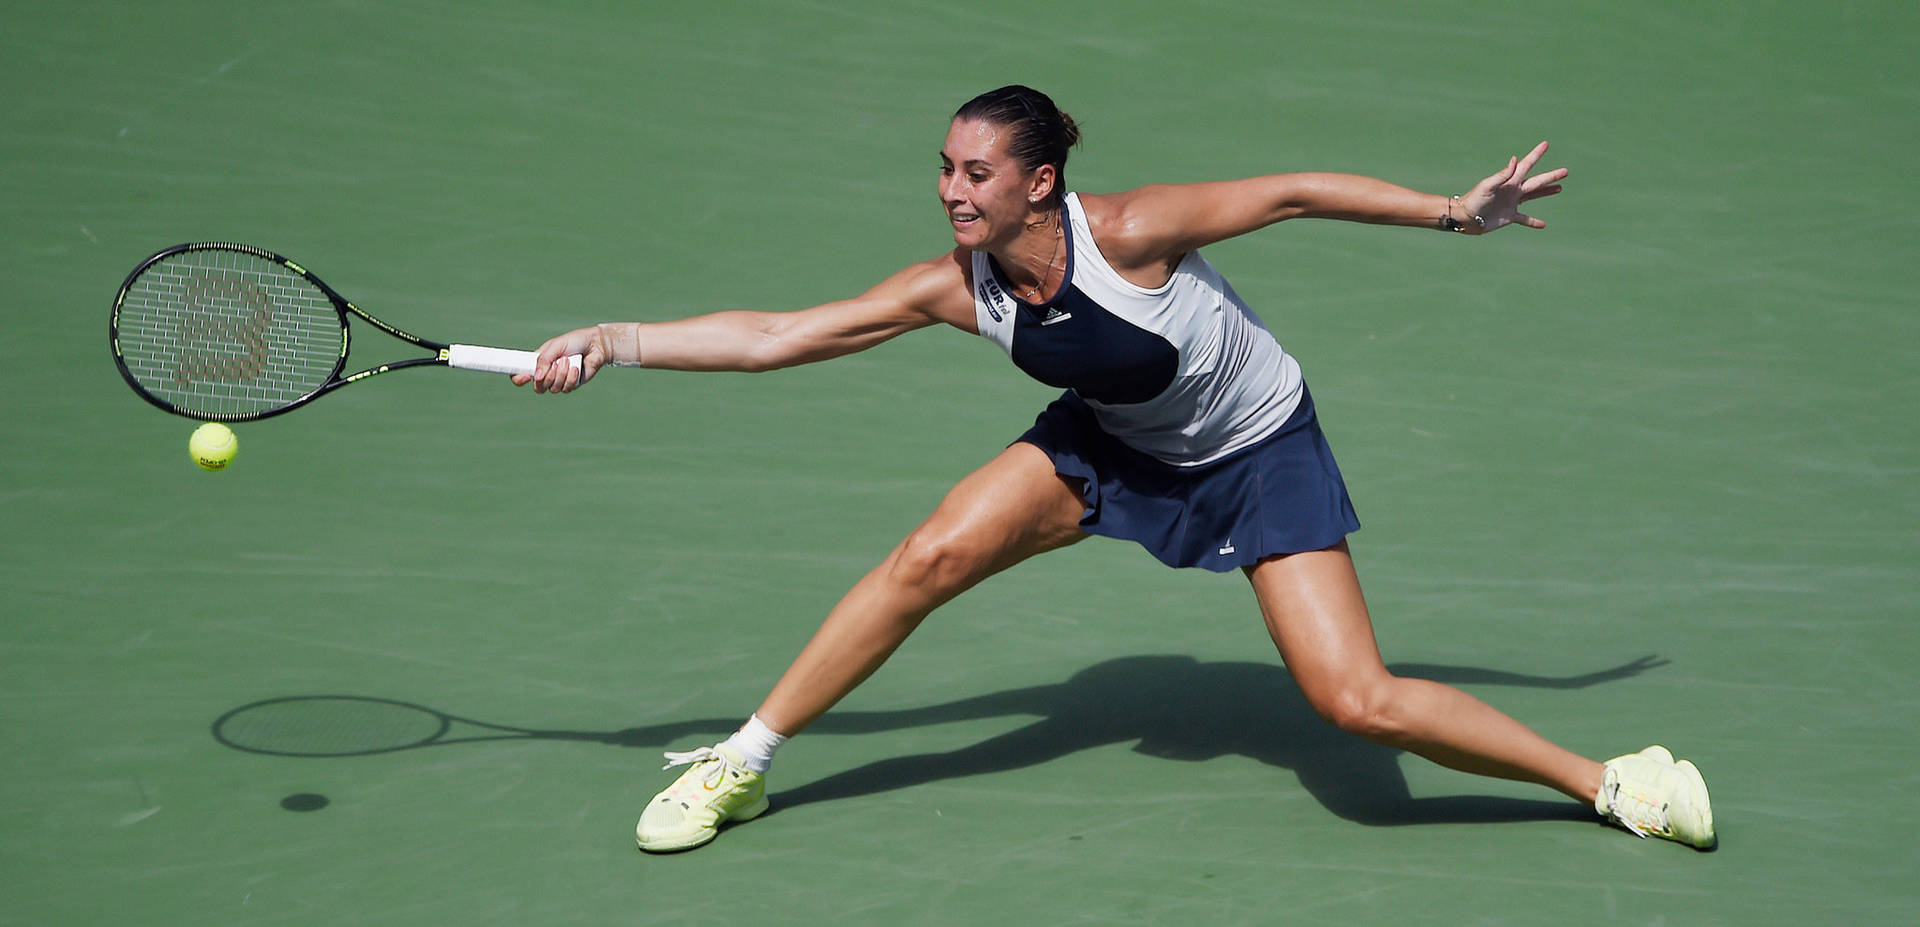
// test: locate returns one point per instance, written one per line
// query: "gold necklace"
(1033, 292)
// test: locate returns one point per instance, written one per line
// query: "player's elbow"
(1289, 196)
(770, 345)
(765, 355)
(790, 342)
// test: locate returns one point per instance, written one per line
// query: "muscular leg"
(1012, 508)
(1314, 609)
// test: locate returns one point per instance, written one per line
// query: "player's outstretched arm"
(1158, 222)
(752, 341)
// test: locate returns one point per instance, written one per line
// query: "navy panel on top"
(1073, 342)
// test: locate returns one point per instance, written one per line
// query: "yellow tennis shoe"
(1651, 795)
(717, 787)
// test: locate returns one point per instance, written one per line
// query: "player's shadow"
(1183, 709)
(1167, 706)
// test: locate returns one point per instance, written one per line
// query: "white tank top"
(1184, 372)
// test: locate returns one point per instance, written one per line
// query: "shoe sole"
(705, 835)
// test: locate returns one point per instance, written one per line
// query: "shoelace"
(1642, 816)
(711, 779)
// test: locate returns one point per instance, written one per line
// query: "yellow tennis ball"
(213, 446)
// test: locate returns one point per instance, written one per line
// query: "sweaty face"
(984, 191)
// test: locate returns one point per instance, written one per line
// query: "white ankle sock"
(756, 742)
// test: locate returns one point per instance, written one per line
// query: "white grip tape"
(496, 360)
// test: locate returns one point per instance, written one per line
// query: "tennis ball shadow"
(304, 801)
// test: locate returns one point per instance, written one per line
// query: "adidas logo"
(1055, 315)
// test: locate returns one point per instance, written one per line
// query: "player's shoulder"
(951, 269)
(1118, 209)
(1129, 226)
(941, 286)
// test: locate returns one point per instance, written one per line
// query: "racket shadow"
(358, 725)
(1168, 706)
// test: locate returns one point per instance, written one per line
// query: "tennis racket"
(232, 333)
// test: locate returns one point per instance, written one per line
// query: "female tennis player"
(1184, 428)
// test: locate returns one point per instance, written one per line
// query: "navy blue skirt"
(1281, 496)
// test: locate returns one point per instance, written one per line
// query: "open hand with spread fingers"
(1495, 201)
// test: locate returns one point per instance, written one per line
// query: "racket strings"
(227, 333)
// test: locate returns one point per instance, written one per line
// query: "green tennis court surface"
(1648, 476)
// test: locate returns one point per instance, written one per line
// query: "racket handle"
(496, 360)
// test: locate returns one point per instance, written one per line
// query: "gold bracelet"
(1448, 223)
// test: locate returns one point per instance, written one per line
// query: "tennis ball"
(213, 446)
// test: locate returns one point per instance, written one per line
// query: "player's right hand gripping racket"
(232, 333)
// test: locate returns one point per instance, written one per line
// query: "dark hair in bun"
(1041, 132)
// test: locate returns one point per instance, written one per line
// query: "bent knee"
(1370, 710)
(933, 559)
